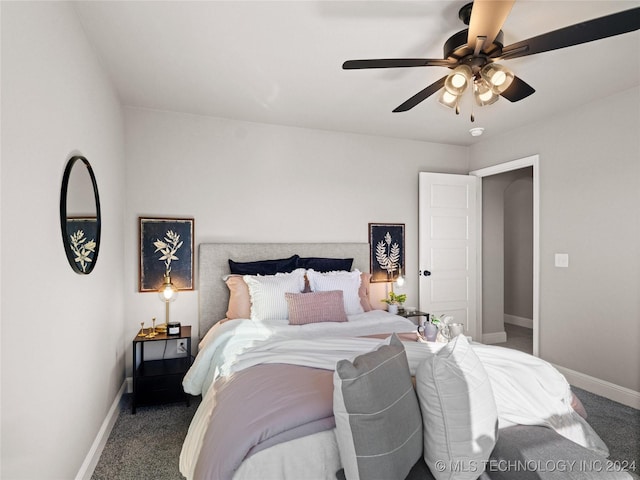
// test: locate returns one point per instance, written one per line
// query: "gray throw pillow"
(378, 420)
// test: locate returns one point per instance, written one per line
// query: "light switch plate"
(562, 260)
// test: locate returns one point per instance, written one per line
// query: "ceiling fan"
(472, 53)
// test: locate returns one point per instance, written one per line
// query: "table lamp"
(168, 293)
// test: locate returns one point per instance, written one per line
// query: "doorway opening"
(508, 265)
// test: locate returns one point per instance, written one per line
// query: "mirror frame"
(63, 214)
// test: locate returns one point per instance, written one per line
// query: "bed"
(268, 383)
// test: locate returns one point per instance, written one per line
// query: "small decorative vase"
(430, 331)
(393, 309)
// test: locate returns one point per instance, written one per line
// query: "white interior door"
(447, 247)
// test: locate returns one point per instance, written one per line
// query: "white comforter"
(224, 347)
(528, 390)
(235, 344)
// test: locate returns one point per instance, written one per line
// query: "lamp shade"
(458, 81)
(497, 77)
(448, 99)
(483, 93)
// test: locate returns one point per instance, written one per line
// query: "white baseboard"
(497, 337)
(614, 392)
(519, 321)
(91, 460)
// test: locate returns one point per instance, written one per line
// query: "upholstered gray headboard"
(213, 265)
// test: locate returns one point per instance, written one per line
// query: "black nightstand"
(159, 381)
(417, 313)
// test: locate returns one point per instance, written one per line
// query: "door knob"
(426, 273)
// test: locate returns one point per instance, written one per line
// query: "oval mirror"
(80, 215)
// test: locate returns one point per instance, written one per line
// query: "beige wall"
(245, 181)
(518, 247)
(62, 343)
(589, 208)
(501, 218)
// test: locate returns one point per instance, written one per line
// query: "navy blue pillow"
(325, 264)
(264, 267)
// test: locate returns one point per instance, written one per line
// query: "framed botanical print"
(386, 241)
(166, 248)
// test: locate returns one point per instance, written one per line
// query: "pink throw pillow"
(316, 307)
(239, 298)
(363, 292)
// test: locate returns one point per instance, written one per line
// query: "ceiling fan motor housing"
(456, 48)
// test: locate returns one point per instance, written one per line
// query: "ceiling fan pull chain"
(473, 118)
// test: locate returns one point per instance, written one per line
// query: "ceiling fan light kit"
(488, 84)
(472, 54)
(448, 99)
(484, 94)
(458, 80)
(497, 76)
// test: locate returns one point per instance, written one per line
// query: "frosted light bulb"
(448, 98)
(486, 96)
(167, 293)
(458, 80)
(498, 78)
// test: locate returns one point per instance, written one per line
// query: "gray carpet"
(617, 425)
(146, 446)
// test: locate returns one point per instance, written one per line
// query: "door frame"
(531, 161)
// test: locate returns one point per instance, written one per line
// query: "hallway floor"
(518, 338)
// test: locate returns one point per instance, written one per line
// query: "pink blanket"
(259, 407)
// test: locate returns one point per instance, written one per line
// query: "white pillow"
(459, 413)
(267, 293)
(348, 282)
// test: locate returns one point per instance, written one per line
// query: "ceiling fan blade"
(487, 18)
(396, 63)
(596, 29)
(421, 95)
(518, 90)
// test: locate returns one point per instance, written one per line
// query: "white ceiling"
(280, 62)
